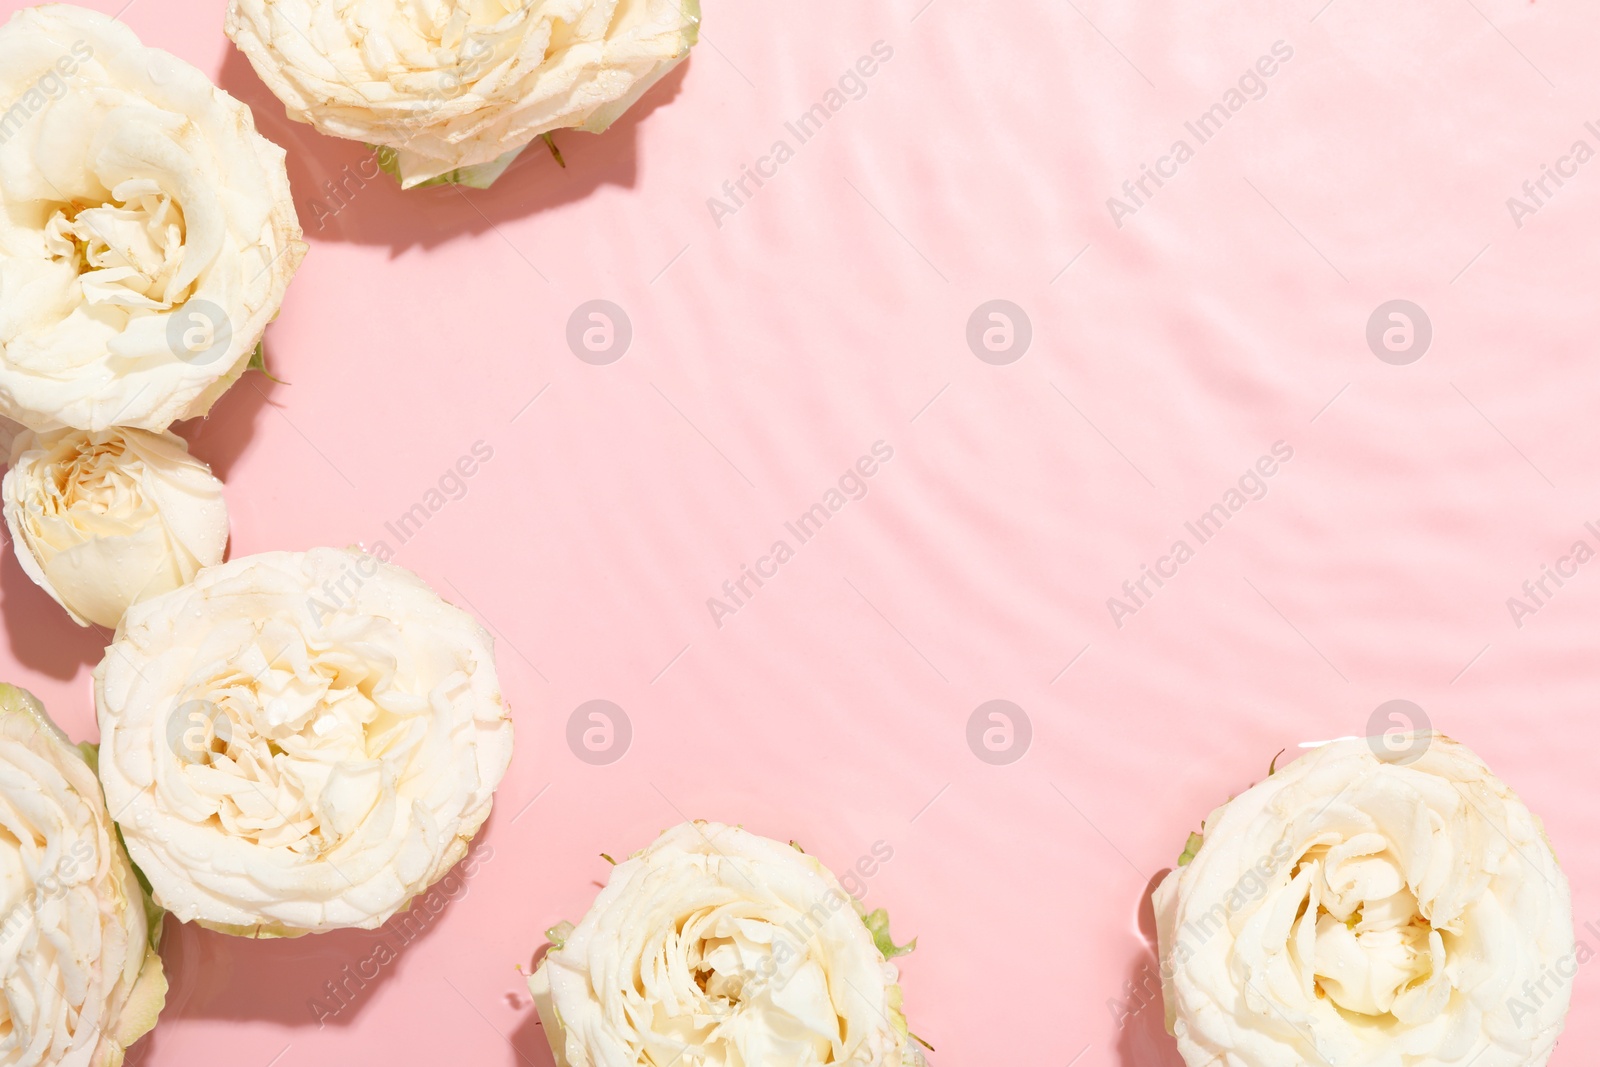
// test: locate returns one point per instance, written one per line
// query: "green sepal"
(480, 176)
(877, 924)
(558, 934)
(258, 361)
(154, 913)
(1190, 848)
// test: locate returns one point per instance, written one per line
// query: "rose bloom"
(106, 518)
(80, 979)
(1358, 911)
(714, 946)
(298, 742)
(456, 90)
(147, 232)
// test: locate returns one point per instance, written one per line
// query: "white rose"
(298, 742)
(147, 232)
(80, 979)
(102, 519)
(456, 90)
(1352, 911)
(714, 946)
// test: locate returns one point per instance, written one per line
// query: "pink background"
(829, 313)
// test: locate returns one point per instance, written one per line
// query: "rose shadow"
(221, 437)
(42, 635)
(316, 981)
(1144, 1041)
(341, 196)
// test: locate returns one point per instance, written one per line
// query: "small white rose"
(717, 946)
(1358, 911)
(147, 232)
(298, 742)
(103, 519)
(80, 979)
(456, 90)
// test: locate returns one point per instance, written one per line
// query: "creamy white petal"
(147, 232)
(299, 741)
(80, 979)
(461, 83)
(1353, 911)
(715, 947)
(102, 519)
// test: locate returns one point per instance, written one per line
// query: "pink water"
(828, 313)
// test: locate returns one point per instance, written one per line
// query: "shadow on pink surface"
(42, 636)
(342, 196)
(1140, 1015)
(223, 436)
(314, 982)
(323, 981)
(317, 981)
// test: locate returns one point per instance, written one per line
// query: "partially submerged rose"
(740, 949)
(454, 91)
(147, 232)
(1358, 911)
(103, 519)
(298, 742)
(80, 979)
